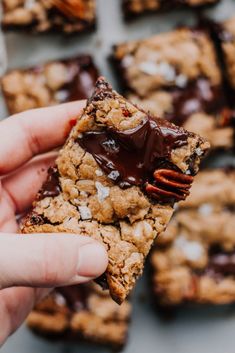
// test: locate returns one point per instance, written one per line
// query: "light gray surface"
(209, 330)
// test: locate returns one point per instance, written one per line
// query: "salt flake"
(191, 249)
(85, 212)
(103, 191)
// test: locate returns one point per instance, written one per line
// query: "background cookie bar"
(40, 16)
(194, 260)
(53, 83)
(83, 312)
(226, 36)
(132, 8)
(176, 75)
(116, 180)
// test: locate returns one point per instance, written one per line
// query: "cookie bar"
(116, 180)
(40, 16)
(176, 75)
(133, 8)
(194, 260)
(83, 312)
(52, 83)
(225, 33)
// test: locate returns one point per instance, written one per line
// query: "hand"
(30, 263)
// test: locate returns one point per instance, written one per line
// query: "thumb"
(46, 260)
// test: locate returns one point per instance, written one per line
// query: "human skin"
(31, 265)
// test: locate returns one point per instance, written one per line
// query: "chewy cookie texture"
(116, 180)
(83, 312)
(133, 8)
(40, 16)
(225, 33)
(49, 84)
(176, 75)
(194, 260)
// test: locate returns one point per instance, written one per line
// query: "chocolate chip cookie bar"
(83, 312)
(176, 75)
(52, 83)
(133, 8)
(40, 16)
(116, 180)
(194, 260)
(225, 33)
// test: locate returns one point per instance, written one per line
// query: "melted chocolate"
(218, 29)
(75, 297)
(130, 157)
(197, 96)
(102, 281)
(223, 263)
(51, 187)
(82, 75)
(83, 82)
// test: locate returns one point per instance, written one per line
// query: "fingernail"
(93, 260)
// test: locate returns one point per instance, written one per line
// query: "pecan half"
(70, 8)
(170, 184)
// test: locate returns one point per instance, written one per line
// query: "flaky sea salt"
(29, 4)
(191, 249)
(181, 80)
(83, 193)
(61, 95)
(162, 68)
(205, 209)
(103, 191)
(149, 68)
(167, 71)
(98, 172)
(114, 175)
(199, 151)
(127, 61)
(59, 299)
(85, 212)
(142, 229)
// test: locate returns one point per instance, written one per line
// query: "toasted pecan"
(70, 8)
(170, 184)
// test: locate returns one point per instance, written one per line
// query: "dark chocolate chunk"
(83, 77)
(75, 297)
(51, 187)
(197, 96)
(102, 281)
(223, 263)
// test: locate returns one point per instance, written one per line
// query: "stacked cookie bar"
(224, 34)
(177, 75)
(194, 260)
(83, 312)
(40, 16)
(53, 83)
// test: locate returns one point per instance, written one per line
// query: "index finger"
(27, 134)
